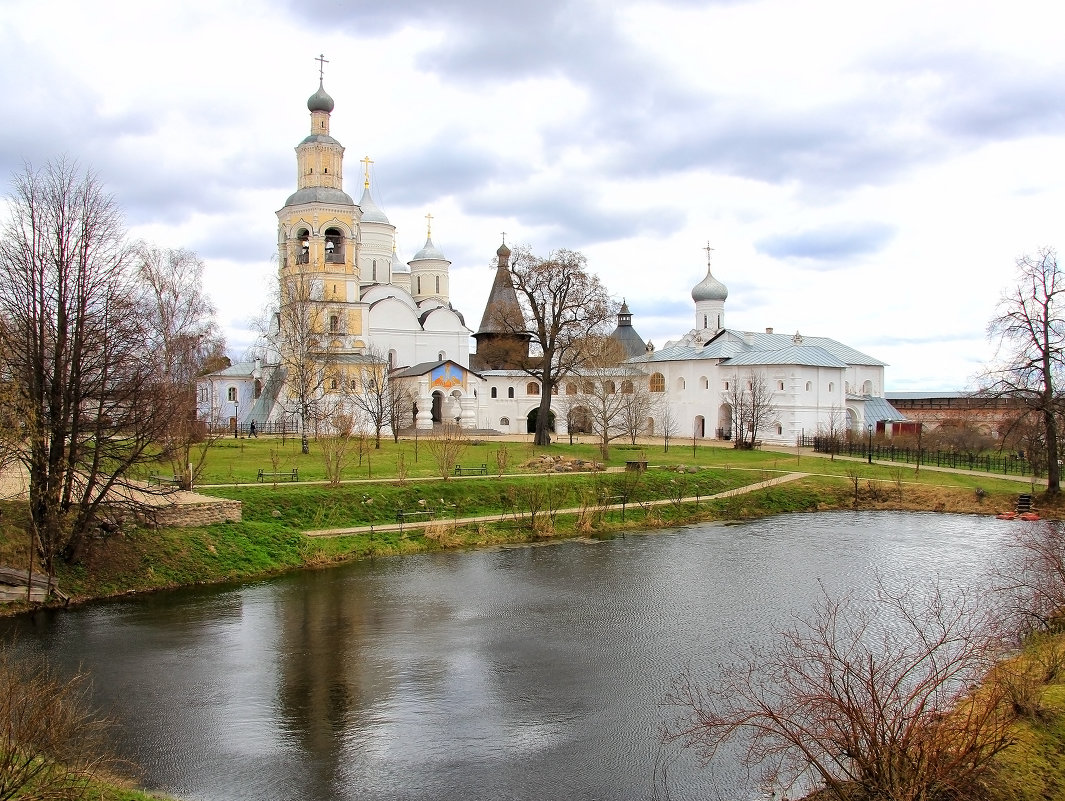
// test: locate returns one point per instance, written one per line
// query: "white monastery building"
(342, 283)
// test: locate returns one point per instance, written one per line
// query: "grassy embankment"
(271, 537)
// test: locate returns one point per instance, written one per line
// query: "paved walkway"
(373, 529)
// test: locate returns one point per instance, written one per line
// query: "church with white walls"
(347, 301)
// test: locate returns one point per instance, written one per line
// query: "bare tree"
(1030, 331)
(380, 400)
(1033, 577)
(53, 745)
(668, 423)
(74, 334)
(337, 447)
(871, 701)
(446, 443)
(186, 340)
(638, 404)
(563, 304)
(752, 405)
(306, 360)
(601, 401)
(830, 432)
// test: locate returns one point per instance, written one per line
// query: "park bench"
(471, 471)
(157, 479)
(403, 516)
(638, 465)
(282, 475)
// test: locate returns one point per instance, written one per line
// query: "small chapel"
(348, 304)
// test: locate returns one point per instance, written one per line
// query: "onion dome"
(503, 252)
(320, 100)
(429, 251)
(709, 289)
(370, 212)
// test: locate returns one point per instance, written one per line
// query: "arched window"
(258, 388)
(704, 381)
(867, 388)
(587, 388)
(231, 394)
(831, 387)
(780, 385)
(609, 387)
(438, 285)
(809, 386)
(419, 285)
(334, 323)
(532, 388)
(504, 421)
(779, 429)
(571, 388)
(494, 392)
(334, 246)
(374, 274)
(657, 382)
(626, 387)
(680, 384)
(441, 355)
(510, 392)
(726, 386)
(332, 383)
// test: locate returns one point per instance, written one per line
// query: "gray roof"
(927, 395)
(805, 355)
(632, 344)
(879, 409)
(429, 251)
(732, 345)
(425, 367)
(322, 139)
(370, 212)
(237, 370)
(320, 194)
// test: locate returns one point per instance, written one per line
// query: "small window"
(626, 387)
(779, 429)
(587, 388)
(705, 382)
(726, 386)
(258, 388)
(571, 388)
(332, 383)
(374, 269)
(780, 385)
(204, 395)
(532, 388)
(504, 421)
(231, 394)
(334, 323)
(809, 386)
(657, 382)
(419, 285)
(438, 285)
(441, 355)
(510, 392)
(609, 388)
(831, 387)
(680, 384)
(493, 392)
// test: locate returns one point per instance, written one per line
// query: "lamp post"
(236, 418)
(869, 451)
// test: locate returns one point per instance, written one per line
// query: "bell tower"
(318, 236)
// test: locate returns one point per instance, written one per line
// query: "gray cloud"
(830, 245)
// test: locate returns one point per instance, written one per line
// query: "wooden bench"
(638, 465)
(285, 475)
(172, 480)
(425, 514)
(471, 471)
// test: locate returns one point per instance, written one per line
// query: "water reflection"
(521, 673)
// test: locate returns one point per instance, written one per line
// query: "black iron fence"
(997, 462)
(267, 429)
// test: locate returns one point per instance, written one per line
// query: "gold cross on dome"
(428, 224)
(366, 162)
(322, 61)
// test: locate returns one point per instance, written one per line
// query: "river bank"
(357, 520)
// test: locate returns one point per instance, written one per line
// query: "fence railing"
(1001, 462)
(270, 428)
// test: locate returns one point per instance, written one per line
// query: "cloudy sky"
(864, 171)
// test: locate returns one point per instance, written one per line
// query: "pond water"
(515, 673)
